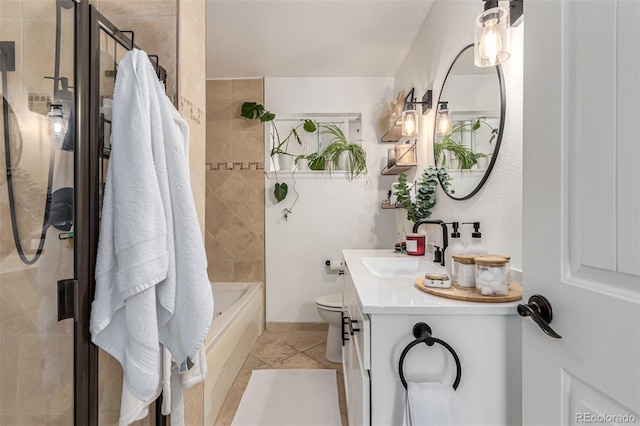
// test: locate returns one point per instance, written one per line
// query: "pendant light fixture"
(492, 38)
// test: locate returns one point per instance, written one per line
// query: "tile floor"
(283, 346)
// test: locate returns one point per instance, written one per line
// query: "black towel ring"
(422, 333)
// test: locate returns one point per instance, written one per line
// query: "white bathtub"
(237, 323)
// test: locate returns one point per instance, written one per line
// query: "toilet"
(330, 309)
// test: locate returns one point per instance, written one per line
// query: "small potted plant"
(339, 147)
(425, 198)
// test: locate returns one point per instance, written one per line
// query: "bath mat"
(290, 398)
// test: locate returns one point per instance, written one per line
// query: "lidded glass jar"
(463, 270)
(492, 275)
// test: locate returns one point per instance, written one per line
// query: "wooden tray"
(471, 294)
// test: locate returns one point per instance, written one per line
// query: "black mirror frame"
(503, 110)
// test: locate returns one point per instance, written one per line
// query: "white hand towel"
(429, 404)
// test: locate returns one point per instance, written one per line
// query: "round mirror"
(469, 124)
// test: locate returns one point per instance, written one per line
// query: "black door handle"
(539, 309)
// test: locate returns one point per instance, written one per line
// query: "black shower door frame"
(85, 223)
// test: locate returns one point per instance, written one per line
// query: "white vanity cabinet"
(355, 355)
(379, 315)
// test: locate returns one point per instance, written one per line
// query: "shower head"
(65, 4)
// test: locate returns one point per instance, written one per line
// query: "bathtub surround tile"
(247, 146)
(213, 246)
(220, 110)
(255, 250)
(235, 179)
(248, 270)
(220, 270)
(235, 192)
(218, 215)
(255, 178)
(248, 89)
(235, 237)
(218, 90)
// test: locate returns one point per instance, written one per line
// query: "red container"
(416, 244)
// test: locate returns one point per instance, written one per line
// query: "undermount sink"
(400, 267)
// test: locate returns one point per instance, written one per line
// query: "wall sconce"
(492, 39)
(443, 120)
(410, 114)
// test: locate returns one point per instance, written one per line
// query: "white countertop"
(400, 295)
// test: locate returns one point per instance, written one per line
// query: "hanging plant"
(356, 154)
(256, 111)
(253, 111)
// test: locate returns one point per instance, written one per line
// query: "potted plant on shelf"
(425, 198)
(339, 147)
(254, 110)
(462, 154)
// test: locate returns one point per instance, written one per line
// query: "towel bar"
(422, 333)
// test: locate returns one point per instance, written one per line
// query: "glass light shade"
(492, 38)
(57, 123)
(410, 123)
(443, 122)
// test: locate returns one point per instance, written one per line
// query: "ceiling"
(310, 38)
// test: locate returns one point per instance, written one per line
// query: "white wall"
(331, 213)
(498, 206)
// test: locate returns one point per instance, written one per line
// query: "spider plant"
(357, 156)
(466, 157)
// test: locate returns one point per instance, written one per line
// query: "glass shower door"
(37, 135)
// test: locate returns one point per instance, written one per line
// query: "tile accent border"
(251, 165)
(196, 114)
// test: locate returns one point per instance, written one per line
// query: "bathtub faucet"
(445, 232)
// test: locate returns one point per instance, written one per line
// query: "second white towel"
(429, 404)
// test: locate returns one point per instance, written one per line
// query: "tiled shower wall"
(36, 377)
(234, 224)
(192, 104)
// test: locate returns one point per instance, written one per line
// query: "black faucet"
(445, 232)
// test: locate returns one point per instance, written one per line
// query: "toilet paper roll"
(335, 265)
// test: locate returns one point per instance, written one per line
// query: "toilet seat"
(330, 302)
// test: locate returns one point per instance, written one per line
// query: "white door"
(582, 210)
